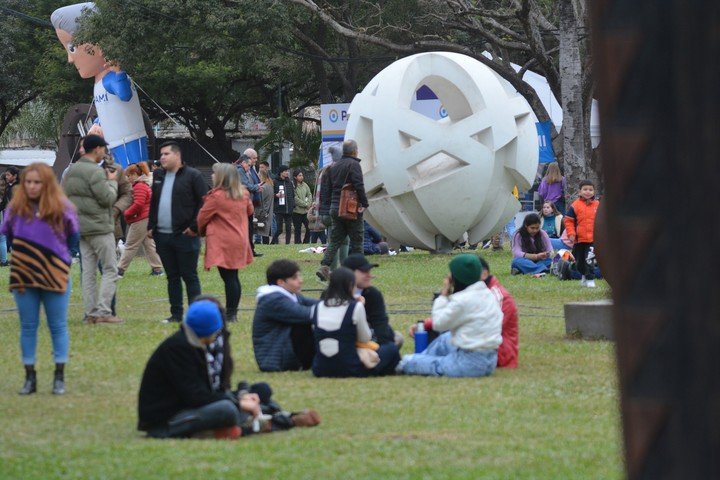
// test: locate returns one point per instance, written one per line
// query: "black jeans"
(341, 229)
(300, 219)
(179, 255)
(580, 252)
(303, 344)
(251, 232)
(220, 414)
(283, 218)
(233, 289)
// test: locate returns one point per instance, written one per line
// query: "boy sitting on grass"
(282, 327)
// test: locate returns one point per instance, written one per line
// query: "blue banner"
(544, 129)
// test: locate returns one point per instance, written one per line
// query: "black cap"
(91, 142)
(357, 261)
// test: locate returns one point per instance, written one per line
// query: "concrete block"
(590, 320)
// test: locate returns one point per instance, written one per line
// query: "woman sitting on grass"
(343, 341)
(470, 316)
(532, 250)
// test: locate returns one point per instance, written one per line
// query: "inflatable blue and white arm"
(118, 83)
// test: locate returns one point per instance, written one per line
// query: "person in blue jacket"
(282, 327)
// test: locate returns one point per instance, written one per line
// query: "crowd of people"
(186, 387)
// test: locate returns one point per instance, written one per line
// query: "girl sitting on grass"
(343, 341)
(532, 250)
(553, 224)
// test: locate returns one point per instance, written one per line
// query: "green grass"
(554, 417)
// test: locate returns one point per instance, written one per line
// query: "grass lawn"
(554, 417)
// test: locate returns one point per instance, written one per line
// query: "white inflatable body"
(428, 182)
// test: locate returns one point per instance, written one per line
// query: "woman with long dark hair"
(42, 227)
(343, 341)
(532, 250)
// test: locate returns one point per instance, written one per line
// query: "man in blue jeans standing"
(177, 195)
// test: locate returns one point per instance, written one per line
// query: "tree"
(546, 35)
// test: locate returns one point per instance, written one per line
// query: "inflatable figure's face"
(87, 58)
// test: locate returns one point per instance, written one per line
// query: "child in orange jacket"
(580, 227)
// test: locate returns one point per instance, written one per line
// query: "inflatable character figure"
(116, 99)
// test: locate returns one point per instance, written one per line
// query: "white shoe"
(590, 283)
(583, 282)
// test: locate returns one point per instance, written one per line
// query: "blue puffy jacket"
(275, 314)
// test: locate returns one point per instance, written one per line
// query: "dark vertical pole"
(657, 68)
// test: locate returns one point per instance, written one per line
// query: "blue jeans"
(558, 244)
(56, 309)
(527, 266)
(3, 243)
(442, 358)
(179, 255)
(220, 414)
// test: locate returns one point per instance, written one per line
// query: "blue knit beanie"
(203, 317)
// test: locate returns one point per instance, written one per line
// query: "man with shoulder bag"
(344, 183)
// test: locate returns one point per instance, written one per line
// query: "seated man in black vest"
(377, 316)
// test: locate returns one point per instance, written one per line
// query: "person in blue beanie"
(185, 388)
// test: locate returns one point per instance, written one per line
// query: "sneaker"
(109, 319)
(172, 320)
(539, 275)
(307, 418)
(156, 273)
(583, 282)
(232, 317)
(257, 254)
(5, 264)
(121, 273)
(590, 283)
(515, 271)
(323, 273)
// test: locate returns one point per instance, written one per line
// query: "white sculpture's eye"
(428, 182)
(71, 48)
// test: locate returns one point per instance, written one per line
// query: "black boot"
(59, 380)
(30, 385)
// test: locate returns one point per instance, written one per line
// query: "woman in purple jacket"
(43, 228)
(532, 251)
(552, 187)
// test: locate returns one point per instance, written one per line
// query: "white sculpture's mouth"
(430, 181)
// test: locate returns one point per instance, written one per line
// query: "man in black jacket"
(284, 204)
(346, 170)
(375, 310)
(177, 195)
(176, 398)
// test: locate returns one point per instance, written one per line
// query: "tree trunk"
(575, 128)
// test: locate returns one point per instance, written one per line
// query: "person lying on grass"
(185, 389)
(470, 317)
(343, 341)
(282, 326)
(509, 350)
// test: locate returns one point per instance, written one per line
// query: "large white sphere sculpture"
(429, 182)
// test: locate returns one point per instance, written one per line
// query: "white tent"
(23, 158)
(540, 84)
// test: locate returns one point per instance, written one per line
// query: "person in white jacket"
(471, 320)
